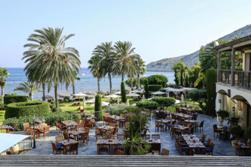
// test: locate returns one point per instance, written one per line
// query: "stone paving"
(222, 148)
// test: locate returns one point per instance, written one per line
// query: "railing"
(241, 78)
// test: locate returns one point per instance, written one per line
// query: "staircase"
(125, 161)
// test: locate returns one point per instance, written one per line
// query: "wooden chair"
(56, 150)
(73, 148)
(216, 130)
(165, 151)
(201, 125)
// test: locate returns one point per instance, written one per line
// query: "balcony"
(241, 79)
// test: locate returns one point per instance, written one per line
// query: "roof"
(240, 42)
(8, 140)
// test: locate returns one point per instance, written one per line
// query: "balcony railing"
(241, 78)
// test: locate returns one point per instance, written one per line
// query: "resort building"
(233, 85)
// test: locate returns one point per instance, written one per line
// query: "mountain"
(190, 59)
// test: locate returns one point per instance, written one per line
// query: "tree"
(193, 74)
(96, 68)
(123, 93)
(98, 107)
(48, 60)
(180, 70)
(146, 88)
(27, 87)
(126, 59)
(3, 75)
(207, 57)
(210, 81)
(105, 54)
(140, 69)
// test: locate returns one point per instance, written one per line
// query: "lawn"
(74, 108)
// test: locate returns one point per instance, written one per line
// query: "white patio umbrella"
(158, 93)
(105, 104)
(132, 95)
(113, 96)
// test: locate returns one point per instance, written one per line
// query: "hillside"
(190, 59)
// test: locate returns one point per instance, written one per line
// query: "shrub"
(197, 94)
(223, 114)
(12, 98)
(118, 109)
(50, 118)
(157, 80)
(147, 104)
(131, 82)
(26, 108)
(154, 88)
(123, 93)
(248, 133)
(164, 101)
(237, 131)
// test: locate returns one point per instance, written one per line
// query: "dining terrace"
(106, 145)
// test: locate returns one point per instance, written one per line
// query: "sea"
(87, 82)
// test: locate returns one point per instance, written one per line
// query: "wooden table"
(182, 116)
(69, 123)
(193, 141)
(110, 143)
(6, 128)
(77, 133)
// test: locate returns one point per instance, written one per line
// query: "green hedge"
(50, 118)
(164, 101)
(157, 80)
(147, 104)
(197, 94)
(36, 108)
(154, 88)
(12, 98)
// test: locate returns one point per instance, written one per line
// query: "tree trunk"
(2, 93)
(73, 87)
(110, 81)
(122, 77)
(30, 95)
(43, 90)
(98, 83)
(2, 90)
(56, 95)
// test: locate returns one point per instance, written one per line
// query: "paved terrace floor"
(222, 148)
(125, 161)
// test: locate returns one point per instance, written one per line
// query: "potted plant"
(233, 121)
(136, 146)
(222, 114)
(237, 132)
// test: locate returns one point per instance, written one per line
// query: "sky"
(157, 28)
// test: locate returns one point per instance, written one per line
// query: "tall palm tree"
(27, 87)
(96, 69)
(106, 52)
(3, 75)
(49, 61)
(126, 58)
(180, 71)
(140, 69)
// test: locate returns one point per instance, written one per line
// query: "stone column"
(232, 67)
(218, 67)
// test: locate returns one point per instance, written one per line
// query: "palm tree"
(3, 75)
(140, 69)
(96, 69)
(126, 58)
(106, 53)
(49, 61)
(27, 87)
(180, 71)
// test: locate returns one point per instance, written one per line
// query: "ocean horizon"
(86, 83)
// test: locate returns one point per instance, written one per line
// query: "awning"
(9, 140)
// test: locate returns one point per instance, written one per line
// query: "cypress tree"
(123, 93)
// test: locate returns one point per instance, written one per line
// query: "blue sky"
(157, 28)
